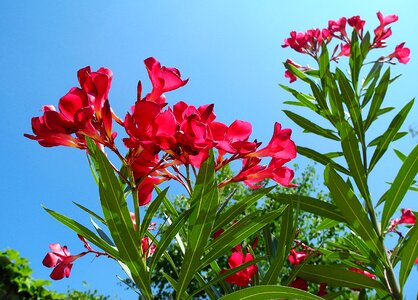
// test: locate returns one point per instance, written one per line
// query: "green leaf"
(238, 208)
(377, 140)
(400, 186)
(152, 209)
(350, 99)
(90, 212)
(85, 232)
(238, 232)
(374, 73)
(204, 202)
(304, 100)
(390, 134)
(408, 253)
(309, 204)
(287, 234)
(379, 95)
(356, 59)
(118, 219)
(350, 146)
(399, 154)
(338, 276)
(321, 158)
(311, 127)
(352, 210)
(323, 61)
(101, 233)
(326, 224)
(263, 292)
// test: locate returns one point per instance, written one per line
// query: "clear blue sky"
(231, 52)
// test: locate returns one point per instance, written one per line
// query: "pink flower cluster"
(161, 138)
(311, 41)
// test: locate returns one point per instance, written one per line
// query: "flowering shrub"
(188, 145)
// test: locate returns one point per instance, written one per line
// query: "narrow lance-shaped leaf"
(85, 232)
(408, 254)
(352, 103)
(321, 158)
(352, 210)
(287, 234)
(356, 59)
(304, 100)
(338, 276)
(118, 220)
(263, 292)
(310, 126)
(377, 140)
(350, 146)
(379, 95)
(390, 134)
(204, 203)
(400, 186)
(311, 205)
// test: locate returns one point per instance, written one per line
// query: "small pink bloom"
(299, 283)
(322, 289)
(296, 257)
(163, 79)
(61, 260)
(381, 32)
(148, 247)
(338, 27)
(384, 21)
(357, 24)
(290, 75)
(401, 53)
(243, 277)
(407, 217)
(345, 50)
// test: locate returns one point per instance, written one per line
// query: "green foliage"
(350, 106)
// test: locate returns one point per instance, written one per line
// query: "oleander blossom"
(61, 260)
(81, 112)
(162, 138)
(311, 41)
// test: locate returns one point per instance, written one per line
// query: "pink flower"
(299, 283)
(61, 260)
(82, 111)
(338, 27)
(381, 32)
(280, 145)
(243, 277)
(322, 289)
(401, 53)
(295, 257)
(357, 24)
(163, 79)
(407, 217)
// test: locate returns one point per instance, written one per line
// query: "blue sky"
(231, 52)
